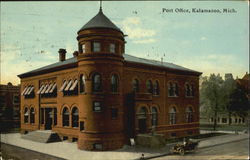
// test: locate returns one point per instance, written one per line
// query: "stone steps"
(42, 136)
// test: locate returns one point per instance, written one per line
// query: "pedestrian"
(142, 157)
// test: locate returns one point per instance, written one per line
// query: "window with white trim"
(97, 106)
(83, 48)
(82, 83)
(32, 115)
(156, 88)
(172, 116)
(189, 115)
(65, 117)
(97, 82)
(112, 48)
(114, 83)
(26, 115)
(154, 116)
(75, 117)
(96, 46)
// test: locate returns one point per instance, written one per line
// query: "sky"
(33, 32)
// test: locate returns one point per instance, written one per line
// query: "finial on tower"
(100, 5)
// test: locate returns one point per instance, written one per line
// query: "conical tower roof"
(100, 21)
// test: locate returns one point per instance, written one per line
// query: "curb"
(223, 143)
(165, 154)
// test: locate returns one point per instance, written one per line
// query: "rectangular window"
(212, 119)
(16, 99)
(97, 146)
(96, 47)
(114, 113)
(2, 100)
(97, 107)
(112, 48)
(224, 120)
(82, 127)
(83, 48)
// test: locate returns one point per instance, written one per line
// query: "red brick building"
(101, 96)
(244, 82)
(9, 107)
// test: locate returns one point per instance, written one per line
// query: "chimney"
(75, 54)
(62, 53)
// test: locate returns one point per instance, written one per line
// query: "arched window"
(97, 82)
(170, 89)
(189, 115)
(142, 113)
(26, 115)
(135, 85)
(114, 83)
(65, 117)
(32, 115)
(82, 83)
(149, 86)
(172, 116)
(75, 117)
(154, 116)
(142, 120)
(176, 89)
(156, 88)
(187, 90)
(192, 90)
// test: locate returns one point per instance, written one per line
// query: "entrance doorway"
(48, 118)
(142, 120)
(142, 125)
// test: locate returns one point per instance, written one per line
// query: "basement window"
(97, 146)
(173, 134)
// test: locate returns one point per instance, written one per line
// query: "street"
(230, 150)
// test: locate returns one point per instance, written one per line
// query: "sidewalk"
(68, 150)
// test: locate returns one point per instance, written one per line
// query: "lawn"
(223, 127)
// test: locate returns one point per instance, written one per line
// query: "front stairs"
(43, 136)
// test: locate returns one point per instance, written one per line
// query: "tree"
(211, 95)
(228, 87)
(239, 103)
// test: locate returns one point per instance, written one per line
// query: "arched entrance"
(142, 120)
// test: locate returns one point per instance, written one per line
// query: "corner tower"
(100, 63)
